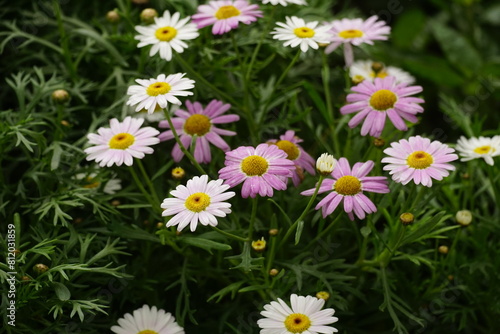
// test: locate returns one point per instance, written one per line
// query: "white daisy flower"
(167, 33)
(482, 147)
(148, 321)
(297, 32)
(159, 92)
(326, 164)
(363, 70)
(284, 2)
(121, 142)
(305, 316)
(199, 200)
(91, 182)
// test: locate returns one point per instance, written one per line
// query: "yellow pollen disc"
(297, 323)
(290, 149)
(303, 32)
(419, 160)
(147, 331)
(347, 185)
(158, 88)
(254, 165)
(226, 12)
(91, 183)
(197, 202)
(197, 125)
(383, 99)
(358, 79)
(484, 149)
(121, 141)
(351, 33)
(166, 34)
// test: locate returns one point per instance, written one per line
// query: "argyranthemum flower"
(121, 142)
(482, 147)
(198, 201)
(350, 185)
(148, 321)
(296, 32)
(369, 70)
(200, 122)
(355, 32)
(325, 164)
(261, 169)
(159, 92)
(373, 101)
(284, 2)
(167, 33)
(226, 15)
(418, 159)
(302, 160)
(305, 316)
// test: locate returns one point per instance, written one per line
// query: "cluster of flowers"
(381, 92)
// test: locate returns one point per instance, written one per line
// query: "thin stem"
(252, 218)
(230, 235)
(324, 232)
(148, 181)
(155, 205)
(64, 42)
(325, 76)
(183, 149)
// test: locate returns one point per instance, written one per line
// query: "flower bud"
(115, 202)
(273, 232)
(60, 96)
(113, 17)
(407, 218)
(273, 272)
(65, 123)
(178, 173)
(148, 15)
(377, 66)
(40, 268)
(159, 225)
(140, 2)
(326, 164)
(259, 245)
(464, 217)
(443, 249)
(378, 142)
(323, 295)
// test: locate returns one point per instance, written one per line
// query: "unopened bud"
(273, 272)
(113, 17)
(148, 15)
(407, 218)
(25, 278)
(465, 176)
(60, 96)
(464, 217)
(40, 268)
(115, 202)
(178, 173)
(65, 123)
(443, 249)
(140, 2)
(323, 295)
(159, 225)
(259, 245)
(78, 220)
(273, 232)
(378, 142)
(451, 277)
(377, 66)
(326, 164)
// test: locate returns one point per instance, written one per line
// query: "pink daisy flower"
(302, 160)
(261, 169)
(384, 97)
(200, 122)
(350, 185)
(226, 15)
(121, 142)
(356, 32)
(419, 159)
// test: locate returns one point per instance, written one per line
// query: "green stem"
(183, 149)
(230, 235)
(64, 42)
(325, 76)
(384, 257)
(259, 44)
(324, 232)
(253, 215)
(155, 205)
(417, 200)
(148, 181)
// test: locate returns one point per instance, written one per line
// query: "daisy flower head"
(349, 185)
(151, 93)
(325, 164)
(284, 2)
(122, 142)
(304, 316)
(369, 70)
(302, 160)
(418, 159)
(261, 169)
(166, 33)
(201, 122)
(147, 320)
(482, 147)
(226, 15)
(355, 32)
(296, 32)
(198, 201)
(373, 101)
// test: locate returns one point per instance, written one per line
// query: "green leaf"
(422, 229)
(298, 232)
(62, 292)
(104, 43)
(205, 244)
(231, 288)
(409, 29)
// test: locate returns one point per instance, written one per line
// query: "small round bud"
(78, 220)
(259, 245)
(273, 232)
(40, 268)
(326, 164)
(113, 17)
(145, 222)
(377, 66)
(115, 202)
(407, 218)
(65, 123)
(17, 252)
(357, 79)
(378, 142)
(148, 15)
(178, 173)
(273, 272)
(464, 217)
(323, 295)
(443, 249)
(140, 2)
(159, 225)
(60, 96)
(465, 176)
(451, 277)
(25, 278)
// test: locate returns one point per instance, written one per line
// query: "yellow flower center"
(91, 184)
(484, 149)
(157, 108)
(290, 149)
(158, 88)
(347, 185)
(419, 160)
(166, 34)
(303, 32)
(259, 245)
(226, 12)
(297, 323)
(381, 74)
(197, 202)
(254, 165)
(383, 99)
(147, 331)
(357, 79)
(121, 141)
(351, 33)
(197, 125)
